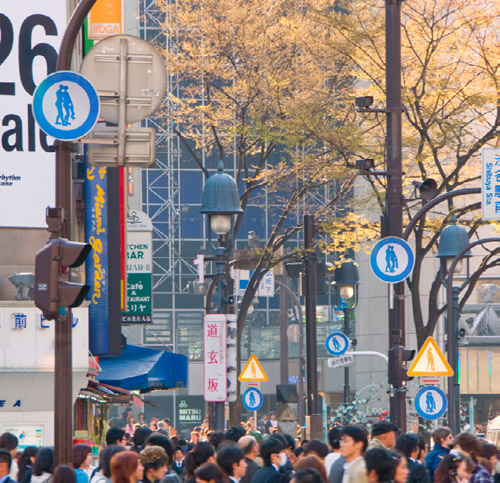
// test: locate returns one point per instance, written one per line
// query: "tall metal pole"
(347, 332)
(63, 371)
(310, 296)
(394, 212)
(283, 330)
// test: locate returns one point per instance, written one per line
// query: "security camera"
(365, 164)
(461, 333)
(364, 102)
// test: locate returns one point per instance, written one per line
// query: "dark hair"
(210, 471)
(197, 456)
(24, 461)
(317, 447)
(114, 435)
(123, 466)
(158, 439)
(357, 433)
(235, 433)
(311, 461)
(449, 465)
(334, 437)
(307, 475)
(407, 443)
(227, 456)
(279, 437)
(140, 436)
(105, 458)
(439, 434)
(268, 447)
(8, 441)
(383, 462)
(80, 452)
(44, 462)
(469, 443)
(290, 442)
(298, 451)
(5, 457)
(488, 450)
(64, 474)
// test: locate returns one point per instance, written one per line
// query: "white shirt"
(329, 460)
(347, 468)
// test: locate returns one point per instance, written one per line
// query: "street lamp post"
(220, 202)
(346, 289)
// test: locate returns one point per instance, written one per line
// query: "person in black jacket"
(250, 448)
(408, 445)
(271, 452)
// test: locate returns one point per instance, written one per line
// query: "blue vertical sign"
(96, 232)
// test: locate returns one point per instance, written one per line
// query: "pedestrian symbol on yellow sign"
(253, 372)
(430, 361)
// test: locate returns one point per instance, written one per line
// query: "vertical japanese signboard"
(31, 33)
(214, 357)
(490, 184)
(139, 269)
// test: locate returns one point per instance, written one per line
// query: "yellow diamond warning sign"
(253, 372)
(430, 361)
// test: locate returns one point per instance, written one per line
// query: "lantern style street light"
(221, 202)
(346, 290)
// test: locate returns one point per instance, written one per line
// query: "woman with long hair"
(130, 427)
(202, 452)
(43, 467)
(455, 467)
(64, 474)
(126, 468)
(82, 459)
(470, 445)
(25, 463)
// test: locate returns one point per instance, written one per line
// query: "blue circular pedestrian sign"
(431, 402)
(66, 105)
(252, 399)
(337, 343)
(392, 259)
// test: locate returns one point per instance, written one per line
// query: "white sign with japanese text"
(215, 357)
(242, 277)
(490, 184)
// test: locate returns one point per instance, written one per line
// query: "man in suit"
(271, 452)
(177, 464)
(408, 445)
(232, 462)
(5, 464)
(250, 448)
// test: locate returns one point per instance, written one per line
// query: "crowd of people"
(244, 454)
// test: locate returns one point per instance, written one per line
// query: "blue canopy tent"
(142, 369)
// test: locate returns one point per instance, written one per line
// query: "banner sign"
(490, 184)
(31, 33)
(214, 357)
(96, 229)
(105, 19)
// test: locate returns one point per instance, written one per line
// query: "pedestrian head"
(216, 438)
(235, 433)
(105, 458)
(82, 456)
(442, 437)
(9, 442)
(353, 442)
(385, 432)
(64, 474)
(202, 452)
(155, 461)
(306, 475)
(248, 444)
(5, 462)
(407, 444)
(209, 473)
(311, 461)
(334, 438)
(232, 461)
(270, 450)
(158, 439)
(488, 456)
(140, 436)
(381, 464)
(26, 459)
(455, 466)
(44, 462)
(317, 448)
(115, 436)
(126, 468)
(468, 444)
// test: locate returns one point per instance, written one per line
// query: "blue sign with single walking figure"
(252, 399)
(392, 259)
(337, 343)
(431, 402)
(66, 105)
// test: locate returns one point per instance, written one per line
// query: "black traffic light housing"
(399, 356)
(52, 290)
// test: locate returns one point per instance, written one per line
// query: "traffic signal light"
(52, 290)
(398, 370)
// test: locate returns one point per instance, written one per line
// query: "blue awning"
(142, 369)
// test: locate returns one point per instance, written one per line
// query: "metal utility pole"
(347, 378)
(315, 419)
(63, 371)
(283, 279)
(393, 220)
